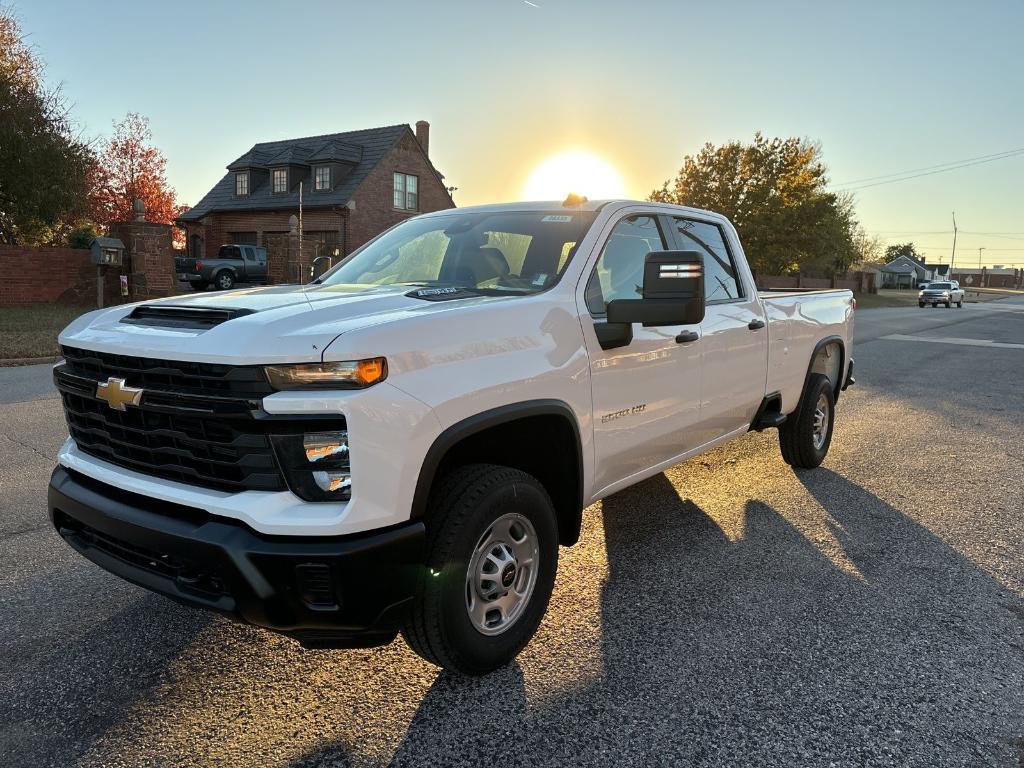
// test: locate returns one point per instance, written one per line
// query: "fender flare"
(485, 420)
(837, 385)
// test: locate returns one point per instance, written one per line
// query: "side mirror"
(673, 292)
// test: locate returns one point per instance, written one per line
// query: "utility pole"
(952, 256)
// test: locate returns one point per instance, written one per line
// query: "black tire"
(797, 433)
(949, 304)
(920, 303)
(462, 509)
(198, 285)
(934, 304)
(960, 304)
(224, 280)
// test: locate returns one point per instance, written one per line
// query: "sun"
(575, 171)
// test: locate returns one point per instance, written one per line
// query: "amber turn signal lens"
(371, 371)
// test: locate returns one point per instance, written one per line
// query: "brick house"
(354, 185)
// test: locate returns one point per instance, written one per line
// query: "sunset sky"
(507, 84)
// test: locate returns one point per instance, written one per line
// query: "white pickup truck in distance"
(404, 444)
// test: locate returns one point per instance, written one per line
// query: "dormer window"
(242, 183)
(322, 179)
(280, 180)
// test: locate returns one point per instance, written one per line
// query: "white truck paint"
(634, 409)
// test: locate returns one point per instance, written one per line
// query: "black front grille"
(179, 431)
(212, 379)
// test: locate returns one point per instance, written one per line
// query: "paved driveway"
(731, 611)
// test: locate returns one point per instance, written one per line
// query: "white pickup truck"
(404, 444)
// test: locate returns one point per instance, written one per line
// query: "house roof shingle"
(360, 149)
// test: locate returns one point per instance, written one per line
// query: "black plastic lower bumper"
(348, 591)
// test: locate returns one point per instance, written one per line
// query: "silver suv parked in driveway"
(946, 292)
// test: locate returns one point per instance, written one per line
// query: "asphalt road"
(731, 611)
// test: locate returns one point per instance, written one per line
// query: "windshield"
(940, 286)
(509, 252)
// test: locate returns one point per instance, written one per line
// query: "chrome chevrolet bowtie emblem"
(117, 394)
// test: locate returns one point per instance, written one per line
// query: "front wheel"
(960, 304)
(806, 435)
(949, 304)
(492, 553)
(920, 304)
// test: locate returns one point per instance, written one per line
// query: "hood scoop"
(188, 318)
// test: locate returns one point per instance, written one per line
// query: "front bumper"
(326, 592)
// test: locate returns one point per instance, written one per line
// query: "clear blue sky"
(884, 86)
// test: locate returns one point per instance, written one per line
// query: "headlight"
(351, 374)
(316, 464)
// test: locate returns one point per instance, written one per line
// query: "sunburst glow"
(575, 171)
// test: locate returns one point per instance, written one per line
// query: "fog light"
(333, 482)
(316, 464)
(320, 446)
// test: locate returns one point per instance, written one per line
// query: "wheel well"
(545, 445)
(829, 359)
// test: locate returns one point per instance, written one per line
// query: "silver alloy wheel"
(502, 574)
(224, 281)
(820, 431)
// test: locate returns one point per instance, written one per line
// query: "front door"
(734, 333)
(647, 394)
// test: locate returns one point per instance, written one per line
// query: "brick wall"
(34, 275)
(374, 198)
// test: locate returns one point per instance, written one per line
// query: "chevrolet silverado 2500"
(403, 444)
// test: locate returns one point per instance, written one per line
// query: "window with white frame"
(242, 183)
(280, 180)
(406, 192)
(322, 179)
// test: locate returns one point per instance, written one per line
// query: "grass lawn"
(31, 330)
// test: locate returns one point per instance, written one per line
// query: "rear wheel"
(198, 285)
(225, 281)
(492, 553)
(806, 435)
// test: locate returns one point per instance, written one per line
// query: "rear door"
(249, 265)
(647, 394)
(734, 333)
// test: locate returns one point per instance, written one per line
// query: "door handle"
(755, 325)
(686, 337)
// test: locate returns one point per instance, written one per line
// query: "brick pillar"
(149, 259)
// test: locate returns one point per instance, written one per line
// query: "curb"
(10, 363)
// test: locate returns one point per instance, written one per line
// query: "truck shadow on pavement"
(771, 648)
(93, 678)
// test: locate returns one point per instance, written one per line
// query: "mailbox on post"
(105, 252)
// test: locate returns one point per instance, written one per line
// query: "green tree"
(903, 249)
(43, 165)
(775, 193)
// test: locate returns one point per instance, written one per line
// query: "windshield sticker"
(541, 278)
(560, 219)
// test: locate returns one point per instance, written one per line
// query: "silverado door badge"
(117, 394)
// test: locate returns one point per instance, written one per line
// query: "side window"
(721, 281)
(249, 255)
(619, 273)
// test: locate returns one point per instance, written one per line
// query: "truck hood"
(280, 324)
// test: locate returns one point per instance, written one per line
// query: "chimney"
(423, 135)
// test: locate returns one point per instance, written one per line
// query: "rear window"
(230, 252)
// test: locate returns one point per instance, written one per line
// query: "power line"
(985, 158)
(1015, 153)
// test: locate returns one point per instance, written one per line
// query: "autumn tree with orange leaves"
(130, 167)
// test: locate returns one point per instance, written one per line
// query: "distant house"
(354, 185)
(903, 272)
